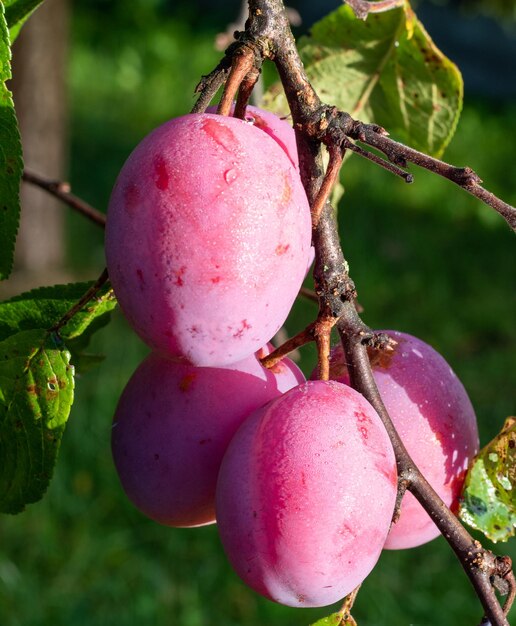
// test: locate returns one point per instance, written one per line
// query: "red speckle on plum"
(440, 437)
(204, 441)
(243, 327)
(186, 381)
(363, 432)
(457, 481)
(161, 176)
(216, 279)
(362, 417)
(222, 135)
(131, 197)
(347, 529)
(179, 276)
(282, 248)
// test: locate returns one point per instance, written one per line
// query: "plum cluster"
(208, 240)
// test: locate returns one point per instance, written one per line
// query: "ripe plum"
(306, 494)
(173, 424)
(435, 420)
(207, 238)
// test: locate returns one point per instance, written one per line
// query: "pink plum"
(173, 424)
(207, 239)
(306, 493)
(435, 420)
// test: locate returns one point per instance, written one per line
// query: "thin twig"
(390, 167)
(347, 605)
(302, 338)
(210, 84)
(309, 294)
(242, 65)
(244, 93)
(464, 177)
(332, 174)
(61, 190)
(89, 295)
(322, 333)
(511, 595)
(362, 8)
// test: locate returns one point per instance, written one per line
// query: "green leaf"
(335, 619)
(384, 70)
(489, 495)
(45, 306)
(36, 393)
(11, 163)
(17, 12)
(82, 360)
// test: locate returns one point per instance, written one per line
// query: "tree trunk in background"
(40, 96)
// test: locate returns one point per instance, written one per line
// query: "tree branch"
(387, 165)
(210, 84)
(61, 190)
(478, 563)
(315, 122)
(464, 177)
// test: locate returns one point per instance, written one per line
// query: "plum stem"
(347, 605)
(322, 333)
(330, 177)
(241, 66)
(244, 93)
(305, 336)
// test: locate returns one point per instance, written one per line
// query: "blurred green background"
(427, 259)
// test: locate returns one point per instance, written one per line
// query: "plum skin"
(277, 128)
(306, 493)
(173, 424)
(205, 211)
(435, 420)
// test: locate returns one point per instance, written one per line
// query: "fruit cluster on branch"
(316, 123)
(211, 228)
